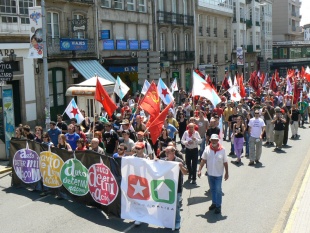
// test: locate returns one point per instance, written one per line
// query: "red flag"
(262, 78)
(302, 72)
(199, 73)
(225, 83)
(151, 102)
(276, 76)
(273, 84)
(155, 127)
(102, 96)
(241, 86)
(296, 93)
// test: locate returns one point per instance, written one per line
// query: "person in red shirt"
(80, 145)
(218, 110)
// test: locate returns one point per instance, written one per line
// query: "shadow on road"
(197, 200)
(211, 217)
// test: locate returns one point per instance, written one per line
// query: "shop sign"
(6, 71)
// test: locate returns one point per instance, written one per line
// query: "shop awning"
(91, 68)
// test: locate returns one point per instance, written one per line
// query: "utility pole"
(45, 69)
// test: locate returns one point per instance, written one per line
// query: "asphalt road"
(253, 198)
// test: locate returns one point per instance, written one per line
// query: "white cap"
(214, 136)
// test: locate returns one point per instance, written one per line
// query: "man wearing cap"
(216, 159)
(268, 113)
(139, 150)
(147, 146)
(256, 131)
(125, 125)
(278, 122)
(191, 139)
(170, 152)
(54, 132)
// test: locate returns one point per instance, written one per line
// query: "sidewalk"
(298, 221)
(3, 167)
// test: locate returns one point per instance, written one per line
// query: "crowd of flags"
(202, 86)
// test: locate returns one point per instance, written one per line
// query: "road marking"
(296, 206)
(105, 215)
(291, 197)
(39, 199)
(128, 228)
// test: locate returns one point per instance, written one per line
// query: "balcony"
(215, 32)
(294, 28)
(209, 58)
(174, 18)
(215, 58)
(225, 33)
(177, 56)
(249, 23)
(249, 48)
(208, 31)
(200, 31)
(201, 60)
(53, 49)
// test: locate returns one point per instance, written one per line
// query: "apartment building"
(286, 19)
(213, 37)
(247, 34)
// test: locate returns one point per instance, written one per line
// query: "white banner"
(149, 191)
(239, 52)
(36, 35)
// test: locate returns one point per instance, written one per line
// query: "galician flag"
(120, 88)
(164, 92)
(234, 93)
(73, 111)
(202, 88)
(145, 87)
(149, 191)
(174, 85)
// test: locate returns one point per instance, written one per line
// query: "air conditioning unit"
(75, 75)
(133, 54)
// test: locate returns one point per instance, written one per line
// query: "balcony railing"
(201, 60)
(215, 58)
(215, 32)
(225, 33)
(200, 31)
(174, 18)
(208, 31)
(53, 48)
(209, 58)
(249, 48)
(177, 56)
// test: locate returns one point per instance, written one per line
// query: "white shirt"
(186, 139)
(256, 127)
(215, 161)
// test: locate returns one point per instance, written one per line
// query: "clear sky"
(304, 11)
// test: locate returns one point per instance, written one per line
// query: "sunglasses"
(120, 148)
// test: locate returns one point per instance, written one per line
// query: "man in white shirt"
(191, 139)
(257, 128)
(216, 159)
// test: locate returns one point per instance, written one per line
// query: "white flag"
(174, 85)
(120, 88)
(234, 93)
(235, 81)
(145, 87)
(229, 81)
(149, 191)
(73, 111)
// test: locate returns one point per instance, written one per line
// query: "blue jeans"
(225, 128)
(215, 183)
(202, 146)
(178, 209)
(247, 137)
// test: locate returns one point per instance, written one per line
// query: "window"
(185, 7)
(142, 5)
(12, 8)
(131, 5)
(79, 35)
(8, 6)
(161, 5)
(119, 4)
(52, 21)
(174, 6)
(23, 6)
(186, 42)
(175, 41)
(201, 48)
(162, 41)
(215, 48)
(106, 3)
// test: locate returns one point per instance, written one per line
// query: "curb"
(5, 170)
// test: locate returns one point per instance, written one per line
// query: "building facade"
(286, 20)
(213, 37)
(247, 34)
